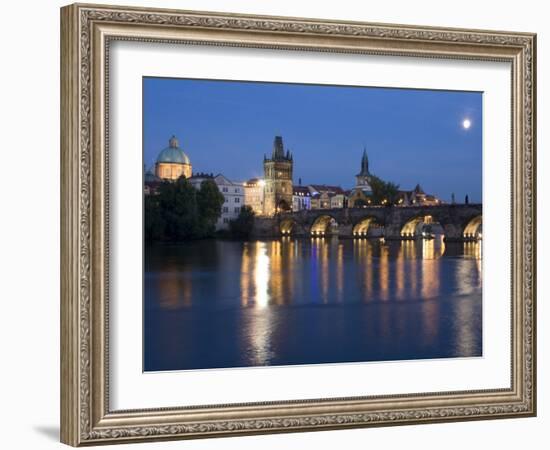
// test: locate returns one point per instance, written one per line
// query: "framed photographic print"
(276, 224)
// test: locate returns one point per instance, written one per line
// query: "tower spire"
(365, 162)
(278, 150)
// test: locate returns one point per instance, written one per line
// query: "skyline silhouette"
(429, 137)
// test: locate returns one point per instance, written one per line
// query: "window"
(237, 209)
(225, 209)
(224, 189)
(236, 190)
(237, 200)
(225, 220)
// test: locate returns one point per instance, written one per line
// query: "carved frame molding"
(86, 32)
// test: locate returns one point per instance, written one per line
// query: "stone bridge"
(458, 222)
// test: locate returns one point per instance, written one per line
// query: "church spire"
(364, 163)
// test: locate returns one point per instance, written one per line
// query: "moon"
(466, 123)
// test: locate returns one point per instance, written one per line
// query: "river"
(221, 303)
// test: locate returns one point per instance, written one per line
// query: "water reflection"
(299, 301)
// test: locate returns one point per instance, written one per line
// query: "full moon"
(466, 123)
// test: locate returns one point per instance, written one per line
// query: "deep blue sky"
(411, 136)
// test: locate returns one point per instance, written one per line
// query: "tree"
(383, 193)
(180, 212)
(241, 227)
(153, 220)
(209, 204)
(178, 205)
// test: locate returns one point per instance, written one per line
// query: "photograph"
(301, 224)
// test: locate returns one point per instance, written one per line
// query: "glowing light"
(466, 124)
(261, 275)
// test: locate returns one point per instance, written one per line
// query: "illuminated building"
(172, 162)
(301, 198)
(254, 195)
(278, 179)
(416, 197)
(324, 196)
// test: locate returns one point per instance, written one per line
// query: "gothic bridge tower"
(278, 179)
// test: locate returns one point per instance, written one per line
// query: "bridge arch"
(324, 225)
(287, 226)
(423, 225)
(367, 227)
(472, 229)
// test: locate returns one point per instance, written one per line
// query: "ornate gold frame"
(86, 31)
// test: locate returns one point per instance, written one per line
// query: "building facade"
(172, 162)
(254, 195)
(278, 179)
(417, 197)
(233, 194)
(301, 198)
(325, 196)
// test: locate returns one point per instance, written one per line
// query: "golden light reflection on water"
(276, 279)
(430, 266)
(255, 274)
(384, 273)
(474, 250)
(400, 276)
(261, 275)
(340, 273)
(274, 275)
(174, 291)
(408, 254)
(278, 272)
(246, 269)
(363, 258)
(255, 291)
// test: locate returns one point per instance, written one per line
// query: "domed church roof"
(173, 154)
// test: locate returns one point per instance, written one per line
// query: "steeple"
(364, 164)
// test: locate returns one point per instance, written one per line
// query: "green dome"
(173, 154)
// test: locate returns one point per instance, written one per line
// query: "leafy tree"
(153, 220)
(182, 216)
(241, 227)
(383, 192)
(180, 212)
(178, 208)
(209, 204)
(392, 192)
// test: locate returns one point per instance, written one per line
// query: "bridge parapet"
(452, 218)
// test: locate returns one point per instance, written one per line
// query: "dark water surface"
(214, 303)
